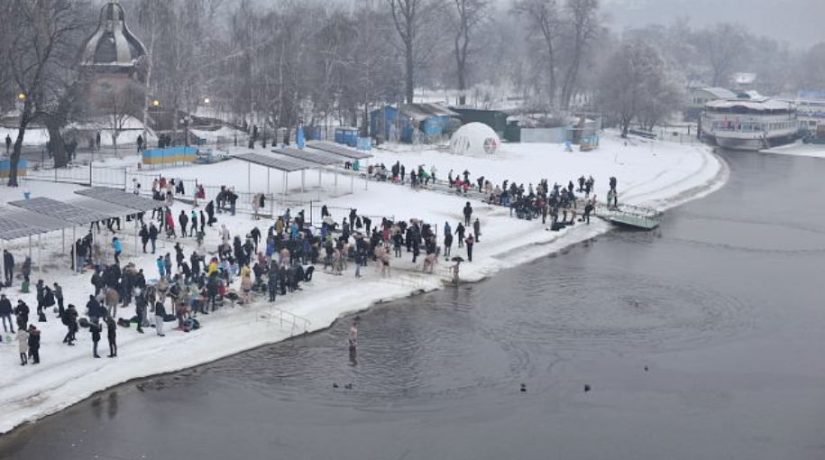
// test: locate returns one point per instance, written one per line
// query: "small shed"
(495, 119)
(412, 120)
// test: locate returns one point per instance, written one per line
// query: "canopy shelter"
(319, 157)
(346, 153)
(283, 164)
(135, 203)
(337, 149)
(117, 203)
(19, 223)
(79, 211)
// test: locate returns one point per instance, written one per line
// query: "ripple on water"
(623, 308)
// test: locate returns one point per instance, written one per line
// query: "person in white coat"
(23, 342)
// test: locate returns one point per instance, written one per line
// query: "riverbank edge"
(412, 285)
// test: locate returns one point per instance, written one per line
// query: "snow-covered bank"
(798, 149)
(657, 174)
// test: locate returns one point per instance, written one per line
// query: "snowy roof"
(60, 210)
(719, 93)
(320, 158)
(120, 198)
(340, 150)
(19, 223)
(762, 104)
(281, 164)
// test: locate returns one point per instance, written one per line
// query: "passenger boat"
(749, 123)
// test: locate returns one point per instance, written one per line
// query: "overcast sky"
(799, 22)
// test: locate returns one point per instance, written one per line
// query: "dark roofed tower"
(113, 63)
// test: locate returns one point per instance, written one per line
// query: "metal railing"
(285, 318)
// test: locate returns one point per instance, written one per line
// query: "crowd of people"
(266, 264)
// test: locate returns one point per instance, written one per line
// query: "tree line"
(275, 64)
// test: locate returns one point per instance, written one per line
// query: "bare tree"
(42, 47)
(409, 16)
(118, 104)
(584, 22)
(543, 18)
(635, 84)
(811, 71)
(469, 13)
(725, 46)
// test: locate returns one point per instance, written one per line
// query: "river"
(701, 340)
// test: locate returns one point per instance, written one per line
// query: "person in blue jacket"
(118, 247)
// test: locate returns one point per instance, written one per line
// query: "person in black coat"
(111, 335)
(477, 230)
(144, 236)
(70, 320)
(459, 230)
(94, 309)
(5, 313)
(153, 235)
(22, 312)
(183, 220)
(94, 329)
(468, 213)
(34, 344)
(48, 298)
(8, 266)
(41, 296)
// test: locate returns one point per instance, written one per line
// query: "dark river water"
(702, 340)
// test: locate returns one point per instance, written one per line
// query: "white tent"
(474, 139)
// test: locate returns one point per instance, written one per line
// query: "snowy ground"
(652, 173)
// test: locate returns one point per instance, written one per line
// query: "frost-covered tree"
(635, 84)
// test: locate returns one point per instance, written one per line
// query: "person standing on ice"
(193, 219)
(160, 313)
(170, 224)
(477, 230)
(5, 313)
(23, 345)
(448, 241)
(144, 236)
(8, 266)
(58, 295)
(34, 344)
(111, 335)
(470, 241)
(183, 220)
(117, 246)
(161, 266)
(94, 329)
(153, 235)
(460, 232)
(70, 320)
(468, 214)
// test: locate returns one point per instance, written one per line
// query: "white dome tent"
(474, 139)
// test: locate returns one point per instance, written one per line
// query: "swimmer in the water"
(353, 335)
